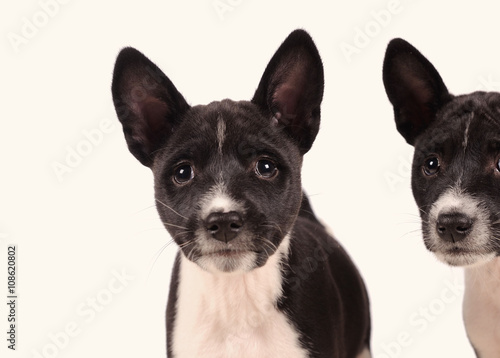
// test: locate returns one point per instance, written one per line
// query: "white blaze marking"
(217, 200)
(221, 133)
(466, 133)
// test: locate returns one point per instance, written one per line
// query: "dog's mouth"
(463, 256)
(228, 253)
(239, 250)
(242, 254)
(471, 251)
(227, 260)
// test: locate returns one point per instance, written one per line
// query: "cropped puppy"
(455, 180)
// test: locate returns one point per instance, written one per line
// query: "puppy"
(455, 180)
(256, 275)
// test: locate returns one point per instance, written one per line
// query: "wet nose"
(453, 227)
(224, 226)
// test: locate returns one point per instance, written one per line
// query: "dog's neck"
(234, 314)
(259, 286)
(482, 307)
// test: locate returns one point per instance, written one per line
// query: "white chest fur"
(232, 315)
(482, 307)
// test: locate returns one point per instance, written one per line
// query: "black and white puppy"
(256, 275)
(455, 180)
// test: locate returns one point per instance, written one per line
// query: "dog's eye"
(183, 174)
(498, 164)
(266, 168)
(431, 166)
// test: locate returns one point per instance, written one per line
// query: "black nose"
(453, 227)
(224, 226)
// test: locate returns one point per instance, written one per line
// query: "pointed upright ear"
(291, 89)
(414, 88)
(147, 103)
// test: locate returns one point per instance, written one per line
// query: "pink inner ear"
(289, 95)
(421, 91)
(421, 94)
(417, 87)
(287, 99)
(153, 111)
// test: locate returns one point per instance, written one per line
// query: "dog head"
(456, 164)
(226, 174)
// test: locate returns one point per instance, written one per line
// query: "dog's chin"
(463, 258)
(243, 254)
(228, 261)
(471, 252)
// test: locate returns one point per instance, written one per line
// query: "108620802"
(11, 270)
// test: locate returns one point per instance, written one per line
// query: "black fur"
(326, 302)
(414, 87)
(325, 295)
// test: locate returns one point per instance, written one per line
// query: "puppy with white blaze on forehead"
(256, 274)
(455, 180)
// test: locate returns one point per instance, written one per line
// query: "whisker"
(177, 226)
(186, 244)
(267, 253)
(168, 207)
(273, 224)
(411, 233)
(422, 210)
(189, 255)
(146, 208)
(495, 222)
(269, 244)
(164, 247)
(157, 256)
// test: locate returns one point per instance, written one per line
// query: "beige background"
(82, 212)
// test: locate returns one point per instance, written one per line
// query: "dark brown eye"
(431, 166)
(498, 165)
(266, 168)
(183, 174)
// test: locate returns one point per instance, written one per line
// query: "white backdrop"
(81, 211)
